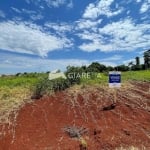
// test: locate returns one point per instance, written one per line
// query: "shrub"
(46, 86)
(75, 71)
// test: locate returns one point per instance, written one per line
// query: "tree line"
(137, 65)
(97, 67)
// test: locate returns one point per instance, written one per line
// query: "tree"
(137, 66)
(122, 68)
(73, 73)
(130, 65)
(18, 74)
(96, 67)
(137, 59)
(110, 68)
(84, 68)
(147, 59)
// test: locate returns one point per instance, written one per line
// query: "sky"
(44, 35)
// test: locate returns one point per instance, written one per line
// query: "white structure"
(55, 75)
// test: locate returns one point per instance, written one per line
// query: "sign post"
(115, 82)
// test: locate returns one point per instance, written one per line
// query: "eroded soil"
(40, 124)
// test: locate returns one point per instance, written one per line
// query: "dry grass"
(11, 100)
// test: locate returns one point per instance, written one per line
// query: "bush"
(46, 86)
(74, 71)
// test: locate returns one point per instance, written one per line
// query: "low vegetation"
(11, 99)
(46, 86)
(17, 89)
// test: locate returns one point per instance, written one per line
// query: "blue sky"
(44, 35)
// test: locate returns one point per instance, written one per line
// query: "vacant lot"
(82, 115)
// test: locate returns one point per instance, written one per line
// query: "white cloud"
(55, 3)
(126, 62)
(113, 58)
(16, 63)
(58, 3)
(87, 35)
(33, 15)
(2, 14)
(102, 7)
(36, 17)
(145, 6)
(59, 27)
(27, 11)
(16, 10)
(19, 63)
(86, 23)
(121, 35)
(70, 4)
(52, 3)
(29, 38)
(107, 63)
(138, 1)
(95, 45)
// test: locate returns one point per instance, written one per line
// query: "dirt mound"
(76, 118)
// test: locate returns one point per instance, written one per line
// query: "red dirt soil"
(39, 125)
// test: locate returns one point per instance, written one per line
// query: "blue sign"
(114, 79)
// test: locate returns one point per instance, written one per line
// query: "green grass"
(125, 76)
(17, 81)
(16, 91)
(30, 81)
(136, 75)
(102, 78)
(21, 81)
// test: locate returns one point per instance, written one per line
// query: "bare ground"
(83, 116)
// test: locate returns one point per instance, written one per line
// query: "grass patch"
(11, 99)
(16, 91)
(136, 75)
(100, 78)
(125, 77)
(17, 81)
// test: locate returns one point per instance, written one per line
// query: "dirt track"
(40, 125)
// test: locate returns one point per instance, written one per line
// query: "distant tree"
(18, 74)
(96, 67)
(136, 67)
(130, 64)
(122, 68)
(84, 68)
(142, 67)
(110, 68)
(147, 59)
(137, 59)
